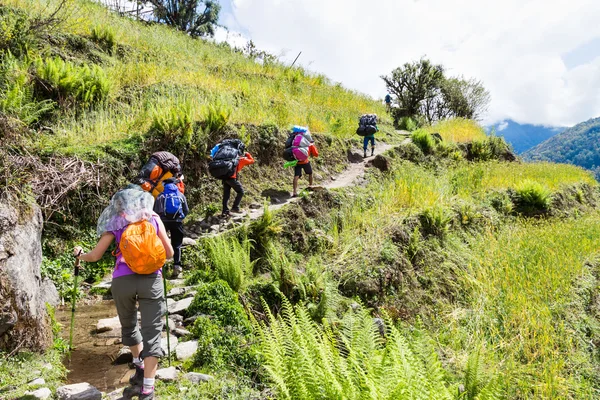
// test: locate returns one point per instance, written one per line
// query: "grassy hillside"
(579, 145)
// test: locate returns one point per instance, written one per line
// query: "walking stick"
(73, 300)
(167, 319)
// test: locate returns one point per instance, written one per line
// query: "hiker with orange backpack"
(142, 249)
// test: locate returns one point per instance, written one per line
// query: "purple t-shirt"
(121, 268)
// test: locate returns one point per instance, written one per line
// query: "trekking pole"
(73, 300)
(167, 319)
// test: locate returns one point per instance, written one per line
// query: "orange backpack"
(142, 249)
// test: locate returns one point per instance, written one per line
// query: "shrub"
(230, 259)
(501, 202)
(15, 32)
(532, 198)
(221, 303)
(497, 147)
(104, 36)
(262, 232)
(65, 81)
(480, 151)
(407, 124)
(223, 331)
(172, 127)
(216, 117)
(409, 151)
(435, 221)
(424, 141)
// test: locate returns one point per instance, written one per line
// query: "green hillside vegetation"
(579, 145)
(459, 273)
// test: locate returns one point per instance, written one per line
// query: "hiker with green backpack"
(171, 205)
(142, 249)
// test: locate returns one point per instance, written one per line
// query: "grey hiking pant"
(147, 290)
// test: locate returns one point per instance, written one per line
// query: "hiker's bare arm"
(162, 234)
(96, 254)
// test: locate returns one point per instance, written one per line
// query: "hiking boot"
(365, 155)
(372, 151)
(137, 379)
(146, 395)
(236, 211)
(225, 214)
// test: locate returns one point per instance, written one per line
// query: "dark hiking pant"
(234, 184)
(176, 230)
(147, 290)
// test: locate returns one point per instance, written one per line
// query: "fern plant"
(105, 36)
(231, 259)
(173, 126)
(85, 84)
(16, 92)
(308, 361)
(477, 385)
(216, 117)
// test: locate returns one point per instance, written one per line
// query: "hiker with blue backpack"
(171, 205)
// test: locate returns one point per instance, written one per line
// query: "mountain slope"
(579, 145)
(523, 137)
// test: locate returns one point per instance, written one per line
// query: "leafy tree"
(423, 92)
(196, 17)
(413, 84)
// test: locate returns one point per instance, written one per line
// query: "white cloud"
(502, 126)
(515, 47)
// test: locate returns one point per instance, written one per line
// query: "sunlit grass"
(458, 130)
(479, 177)
(523, 297)
(159, 62)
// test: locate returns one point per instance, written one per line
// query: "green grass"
(157, 65)
(526, 305)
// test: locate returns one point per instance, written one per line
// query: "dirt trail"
(346, 178)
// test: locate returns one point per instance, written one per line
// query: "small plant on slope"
(424, 141)
(230, 259)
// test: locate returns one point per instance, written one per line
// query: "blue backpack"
(173, 207)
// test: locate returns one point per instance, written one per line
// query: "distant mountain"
(579, 145)
(523, 137)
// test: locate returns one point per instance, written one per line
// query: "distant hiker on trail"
(142, 249)
(367, 127)
(228, 159)
(171, 205)
(388, 102)
(299, 147)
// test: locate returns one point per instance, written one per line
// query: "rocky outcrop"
(23, 293)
